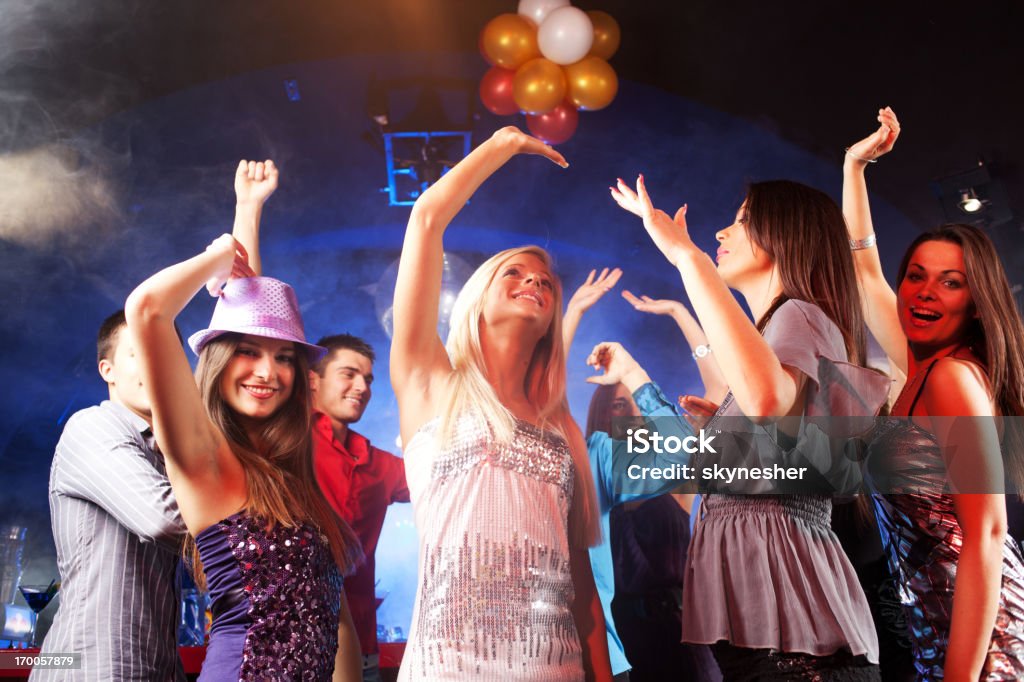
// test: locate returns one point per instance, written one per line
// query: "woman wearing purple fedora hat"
(498, 471)
(236, 441)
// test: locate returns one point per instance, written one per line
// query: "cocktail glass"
(38, 597)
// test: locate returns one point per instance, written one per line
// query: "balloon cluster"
(549, 61)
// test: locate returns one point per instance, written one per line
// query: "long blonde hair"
(469, 391)
(279, 479)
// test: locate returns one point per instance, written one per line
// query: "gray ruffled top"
(766, 571)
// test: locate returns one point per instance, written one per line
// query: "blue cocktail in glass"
(38, 597)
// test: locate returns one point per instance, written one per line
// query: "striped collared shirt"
(118, 535)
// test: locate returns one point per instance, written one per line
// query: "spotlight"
(969, 201)
(976, 196)
(291, 90)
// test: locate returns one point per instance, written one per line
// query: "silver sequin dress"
(494, 588)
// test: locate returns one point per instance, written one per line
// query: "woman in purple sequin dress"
(954, 329)
(239, 460)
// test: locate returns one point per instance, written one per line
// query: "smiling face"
(344, 389)
(259, 377)
(739, 258)
(522, 289)
(934, 300)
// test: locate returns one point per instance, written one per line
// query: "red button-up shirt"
(359, 481)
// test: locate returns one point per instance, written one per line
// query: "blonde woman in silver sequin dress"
(497, 469)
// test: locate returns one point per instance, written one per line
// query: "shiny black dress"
(923, 539)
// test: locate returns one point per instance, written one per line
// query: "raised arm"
(611, 459)
(207, 478)
(588, 293)
(715, 387)
(877, 297)
(761, 386)
(255, 181)
(419, 363)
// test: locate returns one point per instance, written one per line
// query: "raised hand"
(646, 304)
(591, 291)
(521, 143)
(255, 181)
(697, 410)
(618, 366)
(233, 261)
(879, 142)
(670, 235)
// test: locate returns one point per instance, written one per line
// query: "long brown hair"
(996, 336)
(599, 414)
(279, 478)
(803, 231)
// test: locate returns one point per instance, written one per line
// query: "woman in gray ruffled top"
(767, 583)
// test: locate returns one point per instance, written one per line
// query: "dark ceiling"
(812, 71)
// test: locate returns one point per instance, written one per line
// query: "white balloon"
(537, 10)
(566, 35)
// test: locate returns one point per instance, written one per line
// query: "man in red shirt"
(358, 480)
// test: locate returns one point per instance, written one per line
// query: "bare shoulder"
(961, 371)
(958, 387)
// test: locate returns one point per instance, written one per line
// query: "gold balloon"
(606, 34)
(509, 41)
(592, 83)
(539, 86)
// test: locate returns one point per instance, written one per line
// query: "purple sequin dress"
(275, 596)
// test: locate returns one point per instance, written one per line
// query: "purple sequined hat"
(261, 306)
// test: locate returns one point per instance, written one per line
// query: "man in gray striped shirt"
(118, 534)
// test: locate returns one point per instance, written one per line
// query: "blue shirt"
(600, 448)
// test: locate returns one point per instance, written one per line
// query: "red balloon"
(556, 126)
(496, 91)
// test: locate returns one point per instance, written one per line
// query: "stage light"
(975, 196)
(417, 159)
(424, 127)
(291, 90)
(969, 201)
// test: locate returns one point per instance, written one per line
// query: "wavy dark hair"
(279, 478)
(996, 335)
(803, 231)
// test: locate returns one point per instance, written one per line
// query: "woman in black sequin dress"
(955, 331)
